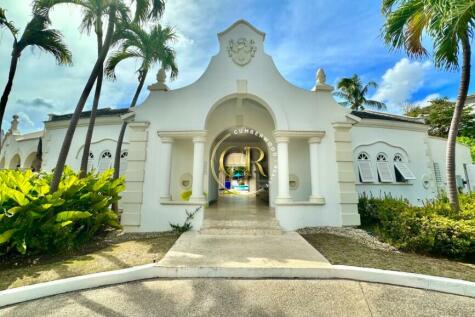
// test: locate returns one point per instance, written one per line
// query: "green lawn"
(99, 256)
(346, 251)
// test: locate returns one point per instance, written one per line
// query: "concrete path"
(284, 251)
(224, 297)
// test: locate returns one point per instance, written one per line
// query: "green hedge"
(32, 221)
(431, 229)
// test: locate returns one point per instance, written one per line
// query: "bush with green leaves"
(33, 221)
(430, 229)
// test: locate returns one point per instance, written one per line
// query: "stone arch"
(246, 113)
(15, 162)
(32, 162)
(278, 118)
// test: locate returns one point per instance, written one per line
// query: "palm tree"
(354, 93)
(450, 24)
(117, 12)
(144, 10)
(150, 48)
(37, 34)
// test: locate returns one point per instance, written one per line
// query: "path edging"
(427, 282)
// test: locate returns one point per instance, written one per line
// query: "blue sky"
(341, 36)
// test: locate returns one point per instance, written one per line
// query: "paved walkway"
(222, 297)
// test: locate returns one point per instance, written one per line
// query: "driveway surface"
(231, 297)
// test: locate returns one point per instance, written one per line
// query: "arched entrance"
(32, 162)
(15, 162)
(242, 157)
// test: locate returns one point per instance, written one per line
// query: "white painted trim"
(389, 124)
(427, 282)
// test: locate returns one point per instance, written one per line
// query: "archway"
(15, 162)
(32, 162)
(241, 160)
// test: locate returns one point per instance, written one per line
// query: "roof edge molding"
(242, 21)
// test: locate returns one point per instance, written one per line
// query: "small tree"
(353, 92)
(438, 115)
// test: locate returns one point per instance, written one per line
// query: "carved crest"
(242, 51)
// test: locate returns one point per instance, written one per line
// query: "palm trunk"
(452, 191)
(95, 105)
(120, 140)
(63, 154)
(9, 85)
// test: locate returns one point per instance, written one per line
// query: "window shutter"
(404, 170)
(384, 171)
(438, 175)
(123, 163)
(366, 173)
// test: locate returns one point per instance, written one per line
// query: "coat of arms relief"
(242, 51)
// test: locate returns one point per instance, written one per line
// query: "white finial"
(14, 124)
(161, 81)
(321, 81)
(321, 77)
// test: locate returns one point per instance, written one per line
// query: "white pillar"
(283, 169)
(198, 169)
(315, 197)
(166, 168)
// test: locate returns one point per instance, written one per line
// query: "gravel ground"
(353, 233)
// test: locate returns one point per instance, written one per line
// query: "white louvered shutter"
(404, 170)
(385, 172)
(366, 173)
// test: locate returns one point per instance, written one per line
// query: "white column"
(283, 169)
(166, 167)
(198, 169)
(315, 197)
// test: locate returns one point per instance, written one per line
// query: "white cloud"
(426, 101)
(402, 81)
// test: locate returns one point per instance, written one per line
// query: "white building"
(300, 152)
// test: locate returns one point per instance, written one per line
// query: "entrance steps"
(241, 227)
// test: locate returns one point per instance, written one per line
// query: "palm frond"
(148, 10)
(4, 23)
(37, 34)
(375, 104)
(115, 59)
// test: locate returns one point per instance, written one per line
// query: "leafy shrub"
(432, 228)
(34, 221)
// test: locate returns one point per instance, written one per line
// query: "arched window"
(401, 169)
(123, 162)
(381, 157)
(90, 162)
(385, 174)
(105, 162)
(363, 156)
(365, 171)
(397, 157)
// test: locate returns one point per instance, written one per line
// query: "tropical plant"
(36, 34)
(353, 92)
(450, 24)
(32, 221)
(149, 48)
(433, 228)
(438, 116)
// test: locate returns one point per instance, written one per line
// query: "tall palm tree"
(451, 25)
(145, 10)
(36, 34)
(117, 12)
(354, 92)
(113, 8)
(150, 48)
